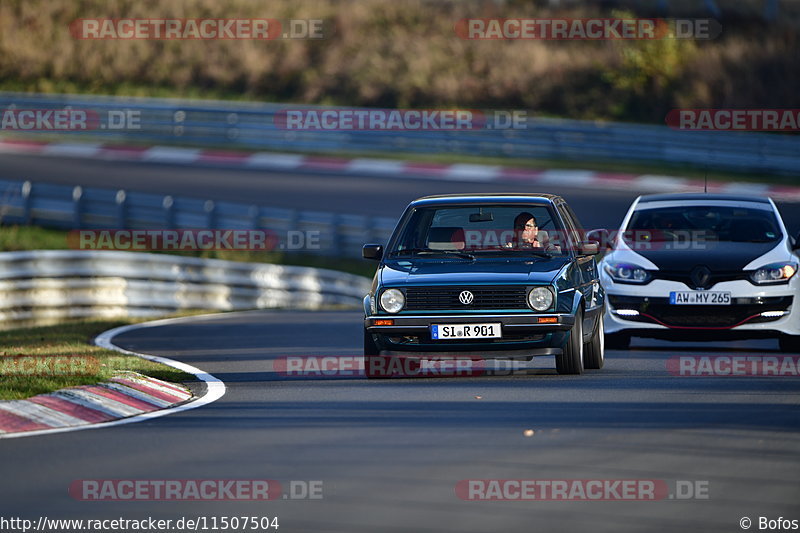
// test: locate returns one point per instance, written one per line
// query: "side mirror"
(600, 236)
(372, 251)
(589, 248)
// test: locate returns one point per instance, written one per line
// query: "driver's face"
(529, 231)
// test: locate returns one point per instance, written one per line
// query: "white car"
(702, 267)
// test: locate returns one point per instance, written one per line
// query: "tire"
(571, 359)
(372, 356)
(789, 343)
(594, 351)
(618, 341)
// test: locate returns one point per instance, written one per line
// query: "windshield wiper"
(518, 252)
(428, 251)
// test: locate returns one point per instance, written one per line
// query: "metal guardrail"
(49, 285)
(251, 125)
(66, 207)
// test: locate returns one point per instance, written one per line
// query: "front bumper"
(742, 319)
(520, 333)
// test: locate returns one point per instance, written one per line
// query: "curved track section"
(390, 452)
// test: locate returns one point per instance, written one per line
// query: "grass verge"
(44, 359)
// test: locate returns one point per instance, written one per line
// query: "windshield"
(488, 230)
(703, 223)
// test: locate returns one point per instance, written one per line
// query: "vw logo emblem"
(465, 297)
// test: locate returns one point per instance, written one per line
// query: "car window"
(487, 228)
(707, 223)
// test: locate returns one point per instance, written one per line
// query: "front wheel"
(372, 357)
(594, 350)
(571, 359)
(618, 341)
(789, 343)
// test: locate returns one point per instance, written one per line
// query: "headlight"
(627, 273)
(392, 300)
(774, 273)
(540, 299)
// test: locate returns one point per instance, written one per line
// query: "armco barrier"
(49, 285)
(252, 125)
(67, 207)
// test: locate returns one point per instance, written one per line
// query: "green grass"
(31, 374)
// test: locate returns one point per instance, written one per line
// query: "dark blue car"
(497, 276)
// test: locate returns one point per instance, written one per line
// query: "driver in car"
(526, 232)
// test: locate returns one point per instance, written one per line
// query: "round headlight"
(540, 299)
(392, 300)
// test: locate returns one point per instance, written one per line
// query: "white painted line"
(570, 178)
(98, 403)
(376, 166)
(40, 413)
(215, 388)
(652, 182)
(72, 149)
(270, 160)
(164, 154)
(465, 172)
(745, 188)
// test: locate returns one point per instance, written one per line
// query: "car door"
(586, 265)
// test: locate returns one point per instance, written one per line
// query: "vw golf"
(500, 276)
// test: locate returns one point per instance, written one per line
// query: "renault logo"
(700, 276)
(465, 297)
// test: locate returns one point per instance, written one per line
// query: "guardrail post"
(770, 10)
(122, 209)
(210, 210)
(337, 243)
(169, 212)
(255, 216)
(77, 204)
(368, 230)
(27, 195)
(294, 220)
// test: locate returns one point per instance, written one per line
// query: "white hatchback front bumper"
(656, 315)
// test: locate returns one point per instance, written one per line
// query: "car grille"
(701, 316)
(442, 298)
(686, 278)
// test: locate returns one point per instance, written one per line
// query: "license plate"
(700, 298)
(465, 331)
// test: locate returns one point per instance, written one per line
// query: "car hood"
(718, 257)
(431, 272)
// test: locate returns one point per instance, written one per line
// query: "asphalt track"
(390, 453)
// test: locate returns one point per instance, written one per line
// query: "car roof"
(480, 198)
(702, 196)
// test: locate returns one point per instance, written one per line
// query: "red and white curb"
(395, 168)
(126, 398)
